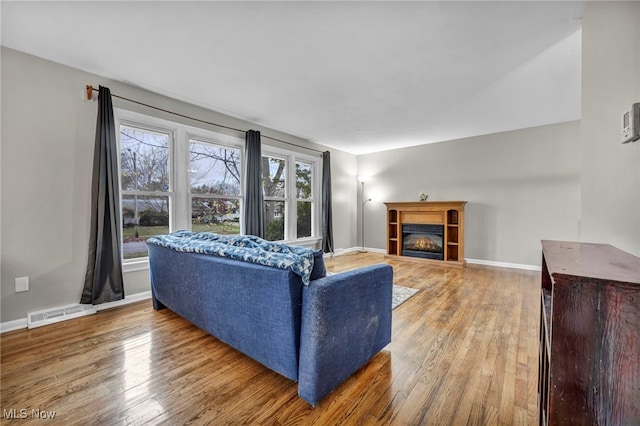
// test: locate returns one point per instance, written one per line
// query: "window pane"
(219, 215)
(142, 217)
(144, 160)
(274, 171)
(274, 219)
(214, 169)
(303, 180)
(304, 219)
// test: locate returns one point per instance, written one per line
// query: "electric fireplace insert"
(423, 240)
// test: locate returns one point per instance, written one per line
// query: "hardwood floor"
(464, 351)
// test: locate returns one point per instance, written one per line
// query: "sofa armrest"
(346, 319)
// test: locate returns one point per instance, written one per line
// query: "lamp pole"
(361, 179)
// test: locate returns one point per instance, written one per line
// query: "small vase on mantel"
(422, 196)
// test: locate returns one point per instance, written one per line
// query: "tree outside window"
(144, 176)
(214, 173)
(304, 201)
(279, 195)
(274, 172)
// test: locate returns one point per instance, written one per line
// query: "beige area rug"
(401, 294)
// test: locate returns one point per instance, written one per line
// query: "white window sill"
(133, 265)
(311, 242)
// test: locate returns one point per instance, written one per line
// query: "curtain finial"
(89, 93)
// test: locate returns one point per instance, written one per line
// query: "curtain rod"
(91, 89)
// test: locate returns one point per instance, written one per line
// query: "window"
(174, 176)
(290, 208)
(304, 198)
(145, 185)
(214, 184)
(274, 172)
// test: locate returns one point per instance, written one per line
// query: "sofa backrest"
(254, 308)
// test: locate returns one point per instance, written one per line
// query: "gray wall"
(610, 84)
(521, 186)
(47, 147)
(572, 181)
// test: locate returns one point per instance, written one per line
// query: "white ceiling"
(357, 76)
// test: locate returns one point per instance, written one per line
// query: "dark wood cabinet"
(589, 335)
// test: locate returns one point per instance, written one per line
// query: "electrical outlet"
(22, 284)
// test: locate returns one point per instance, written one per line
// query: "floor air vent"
(62, 313)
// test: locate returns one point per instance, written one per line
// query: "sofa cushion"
(319, 270)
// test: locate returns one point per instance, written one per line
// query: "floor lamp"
(362, 179)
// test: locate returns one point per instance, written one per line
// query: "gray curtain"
(253, 197)
(327, 219)
(103, 280)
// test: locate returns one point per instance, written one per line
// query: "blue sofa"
(317, 335)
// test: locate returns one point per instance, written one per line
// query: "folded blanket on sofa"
(249, 248)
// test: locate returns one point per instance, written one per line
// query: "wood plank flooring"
(464, 351)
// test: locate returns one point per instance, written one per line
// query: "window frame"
(284, 199)
(312, 199)
(291, 200)
(138, 263)
(220, 142)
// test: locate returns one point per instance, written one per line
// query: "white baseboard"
(340, 252)
(474, 261)
(504, 264)
(127, 300)
(13, 325)
(22, 323)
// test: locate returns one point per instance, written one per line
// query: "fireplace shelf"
(448, 214)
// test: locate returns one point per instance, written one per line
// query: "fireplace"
(422, 240)
(443, 219)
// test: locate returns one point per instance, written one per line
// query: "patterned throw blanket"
(241, 247)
